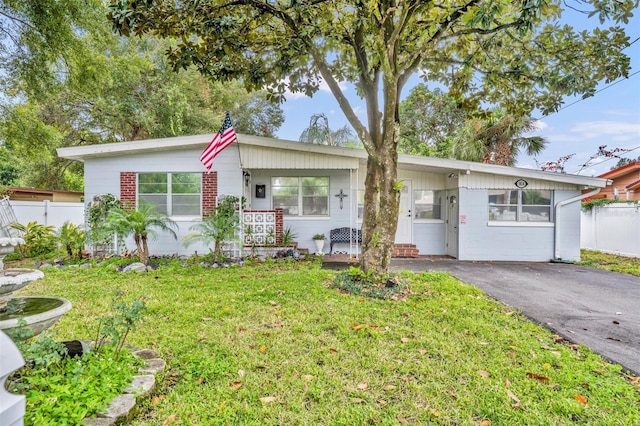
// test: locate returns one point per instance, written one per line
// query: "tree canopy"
(515, 54)
(319, 132)
(93, 87)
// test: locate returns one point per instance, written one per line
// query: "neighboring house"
(33, 194)
(625, 183)
(470, 211)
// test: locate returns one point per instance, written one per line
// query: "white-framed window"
(176, 194)
(427, 204)
(520, 205)
(301, 196)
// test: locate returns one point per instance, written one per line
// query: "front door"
(452, 223)
(404, 233)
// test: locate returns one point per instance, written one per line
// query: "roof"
(621, 171)
(42, 191)
(410, 162)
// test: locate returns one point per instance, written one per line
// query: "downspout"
(559, 204)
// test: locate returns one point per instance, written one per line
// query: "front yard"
(272, 344)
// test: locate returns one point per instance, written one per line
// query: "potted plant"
(319, 240)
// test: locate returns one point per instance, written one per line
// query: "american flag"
(225, 137)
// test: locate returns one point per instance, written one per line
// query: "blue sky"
(611, 117)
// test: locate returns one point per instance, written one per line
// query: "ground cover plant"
(274, 344)
(63, 388)
(611, 262)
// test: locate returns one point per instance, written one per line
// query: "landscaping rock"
(120, 407)
(146, 354)
(153, 366)
(136, 267)
(99, 421)
(142, 385)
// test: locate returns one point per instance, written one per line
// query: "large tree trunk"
(381, 205)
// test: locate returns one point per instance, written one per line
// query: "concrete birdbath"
(39, 313)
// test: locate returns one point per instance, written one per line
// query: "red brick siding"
(279, 226)
(209, 193)
(128, 190)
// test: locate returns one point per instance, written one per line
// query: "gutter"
(556, 248)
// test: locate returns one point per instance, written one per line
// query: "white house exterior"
(470, 211)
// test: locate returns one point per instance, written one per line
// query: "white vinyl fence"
(614, 228)
(48, 212)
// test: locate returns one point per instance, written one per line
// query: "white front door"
(404, 233)
(452, 223)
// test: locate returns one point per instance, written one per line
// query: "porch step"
(405, 250)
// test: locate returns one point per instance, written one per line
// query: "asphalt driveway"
(597, 308)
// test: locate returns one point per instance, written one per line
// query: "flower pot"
(319, 246)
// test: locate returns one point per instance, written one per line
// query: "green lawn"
(611, 262)
(274, 345)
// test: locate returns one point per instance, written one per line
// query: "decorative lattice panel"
(259, 228)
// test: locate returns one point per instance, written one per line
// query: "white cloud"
(540, 125)
(608, 131)
(325, 87)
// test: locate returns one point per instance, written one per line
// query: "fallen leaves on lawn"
(389, 387)
(515, 398)
(169, 420)
(581, 399)
(235, 385)
(484, 423)
(484, 373)
(156, 399)
(263, 348)
(363, 386)
(538, 377)
(268, 399)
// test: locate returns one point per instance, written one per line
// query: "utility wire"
(585, 165)
(598, 91)
(594, 93)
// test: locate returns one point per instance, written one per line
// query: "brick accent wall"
(279, 226)
(128, 189)
(209, 193)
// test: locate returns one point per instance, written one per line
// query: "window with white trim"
(520, 205)
(427, 204)
(176, 194)
(301, 196)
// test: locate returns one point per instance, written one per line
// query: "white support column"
(12, 407)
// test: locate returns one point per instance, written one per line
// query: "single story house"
(470, 211)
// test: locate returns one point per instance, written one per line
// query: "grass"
(611, 262)
(274, 345)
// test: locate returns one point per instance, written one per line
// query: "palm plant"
(71, 238)
(39, 239)
(141, 224)
(217, 228)
(496, 139)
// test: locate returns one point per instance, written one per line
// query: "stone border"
(142, 385)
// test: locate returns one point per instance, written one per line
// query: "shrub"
(39, 239)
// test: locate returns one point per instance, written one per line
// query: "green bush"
(40, 240)
(71, 238)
